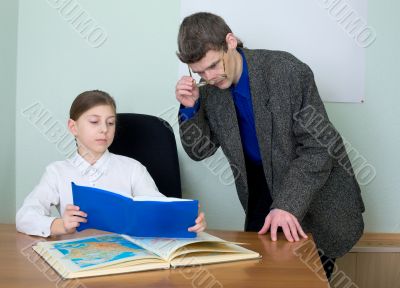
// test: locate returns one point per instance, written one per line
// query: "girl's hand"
(200, 224)
(72, 218)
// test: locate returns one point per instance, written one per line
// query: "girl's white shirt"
(116, 173)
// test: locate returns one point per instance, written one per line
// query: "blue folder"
(113, 212)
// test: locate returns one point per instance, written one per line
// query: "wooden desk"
(374, 261)
(279, 267)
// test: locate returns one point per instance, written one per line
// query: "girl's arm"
(33, 217)
(142, 184)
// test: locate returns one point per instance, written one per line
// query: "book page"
(199, 258)
(165, 248)
(92, 252)
(204, 247)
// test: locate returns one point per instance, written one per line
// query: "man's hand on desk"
(289, 223)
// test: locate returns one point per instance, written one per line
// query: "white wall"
(328, 35)
(8, 58)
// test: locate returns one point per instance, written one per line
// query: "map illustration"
(100, 250)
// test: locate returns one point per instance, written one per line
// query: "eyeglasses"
(213, 81)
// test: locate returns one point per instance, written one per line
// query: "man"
(263, 109)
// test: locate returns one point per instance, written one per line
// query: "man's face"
(212, 67)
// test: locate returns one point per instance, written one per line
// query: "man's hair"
(199, 33)
(89, 99)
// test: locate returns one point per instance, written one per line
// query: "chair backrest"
(151, 141)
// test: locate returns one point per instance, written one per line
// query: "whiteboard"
(318, 32)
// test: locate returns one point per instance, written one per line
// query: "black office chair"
(151, 141)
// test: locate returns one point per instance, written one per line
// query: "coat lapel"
(262, 114)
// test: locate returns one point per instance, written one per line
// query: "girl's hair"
(89, 99)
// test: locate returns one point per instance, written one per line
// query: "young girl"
(92, 122)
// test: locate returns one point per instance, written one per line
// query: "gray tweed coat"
(307, 168)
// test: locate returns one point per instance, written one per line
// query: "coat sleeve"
(312, 130)
(197, 138)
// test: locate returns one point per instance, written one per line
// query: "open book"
(113, 253)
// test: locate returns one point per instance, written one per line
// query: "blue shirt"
(241, 95)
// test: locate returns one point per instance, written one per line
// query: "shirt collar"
(243, 86)
(85, 168)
